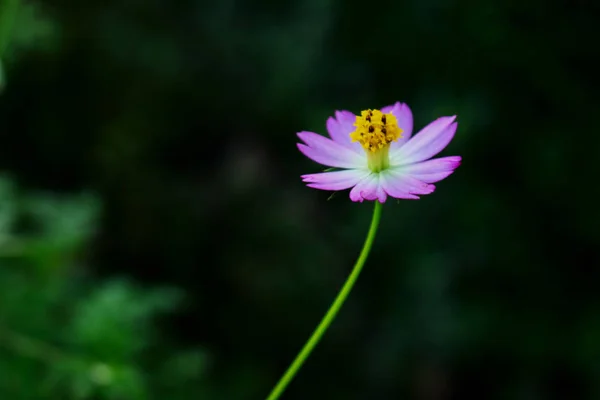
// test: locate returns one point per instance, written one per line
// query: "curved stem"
(333, 310)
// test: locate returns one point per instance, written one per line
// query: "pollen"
(375, 130)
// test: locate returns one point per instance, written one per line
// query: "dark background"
(156, 241)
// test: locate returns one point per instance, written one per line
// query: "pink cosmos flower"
(377, 156)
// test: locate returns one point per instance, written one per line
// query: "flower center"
(375, 131)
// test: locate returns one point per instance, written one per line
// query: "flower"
(377, 156)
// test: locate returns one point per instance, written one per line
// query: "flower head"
(377, 156)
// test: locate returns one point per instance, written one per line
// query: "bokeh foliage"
(63, 333)
(180, 117)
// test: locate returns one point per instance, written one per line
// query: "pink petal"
(337, 180)
(368, 189)
(327, 152)
(402, 186)
(433, 170)
(405, 121)
(340, 127)
(380, 194)
(427, 143)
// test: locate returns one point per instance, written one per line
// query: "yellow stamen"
(375, 131)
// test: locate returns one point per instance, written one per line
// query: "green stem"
(332, 312)
(8, 15)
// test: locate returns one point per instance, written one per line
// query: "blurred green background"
(156, 241)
